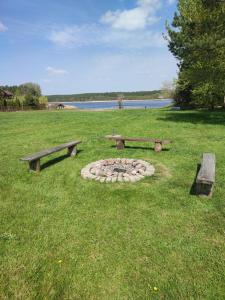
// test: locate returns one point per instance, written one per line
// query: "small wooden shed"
(4, 96)
(56, 105)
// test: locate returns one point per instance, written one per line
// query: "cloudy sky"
(74, 46)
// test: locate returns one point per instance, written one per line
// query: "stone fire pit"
(118, 170)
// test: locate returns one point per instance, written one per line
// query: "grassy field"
(62, 237)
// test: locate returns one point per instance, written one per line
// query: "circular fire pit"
(118, 169)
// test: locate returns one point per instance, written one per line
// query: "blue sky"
(73, 46)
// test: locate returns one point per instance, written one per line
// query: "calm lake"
(126, 104)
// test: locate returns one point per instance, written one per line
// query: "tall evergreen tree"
(197, 39)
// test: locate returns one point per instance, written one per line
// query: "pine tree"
(197, 40)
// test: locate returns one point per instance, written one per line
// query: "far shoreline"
(99, 101)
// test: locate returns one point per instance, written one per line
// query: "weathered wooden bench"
(206, 175)
(120, 141)
(34, 159)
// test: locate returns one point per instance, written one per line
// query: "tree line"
(105, 96)
(24, 95)
(196, 38)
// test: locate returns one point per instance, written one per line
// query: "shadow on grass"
(216, 117)
(193, 190)
(140, 148)
(56, 160)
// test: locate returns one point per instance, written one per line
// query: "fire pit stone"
(118, 170)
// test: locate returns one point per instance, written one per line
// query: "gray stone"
(109, 173)
(139, 166)
(114, 179)
(133, 179)
(141, 171)
(120, 179)
(93, 171)
(134, 172)
(99, 173)
(126, 179)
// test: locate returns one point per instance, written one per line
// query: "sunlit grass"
(62, 237)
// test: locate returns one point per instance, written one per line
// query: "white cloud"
(128, 29)
(129, 40)
(3, 28)
(54, 72)
(107, 37)
(140, 17)
(74, 35)
(63, 37)
(66, 37)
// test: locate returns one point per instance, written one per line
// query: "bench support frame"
(35, 165)
(158, 146)
(204, 189)
(120, 144)
(72, 151)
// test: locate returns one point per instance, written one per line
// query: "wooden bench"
(120, 141)
(34, 159)
(206, 175)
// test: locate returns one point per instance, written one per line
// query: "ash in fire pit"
(118, 169)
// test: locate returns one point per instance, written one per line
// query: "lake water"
(126, 104)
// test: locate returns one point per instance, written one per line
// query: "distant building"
(56, 105)
(5, 94)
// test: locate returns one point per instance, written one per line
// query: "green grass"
(62, 237)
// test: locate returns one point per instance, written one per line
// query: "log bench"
(34, 159)
(206, 175)
(120, 141)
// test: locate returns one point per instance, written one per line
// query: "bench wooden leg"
(35, 165)
(203, 189)
(120, 144)
(72, 151)
(158, 147)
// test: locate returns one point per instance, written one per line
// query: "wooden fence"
(11, 108)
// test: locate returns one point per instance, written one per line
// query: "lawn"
(62, 237)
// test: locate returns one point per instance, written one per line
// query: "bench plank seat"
(120, 141)
(206, 175)
(34, 159)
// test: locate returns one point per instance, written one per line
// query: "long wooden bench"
(34, 159)
(206, 175)
(120, 141)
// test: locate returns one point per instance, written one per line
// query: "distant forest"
(106, 96)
